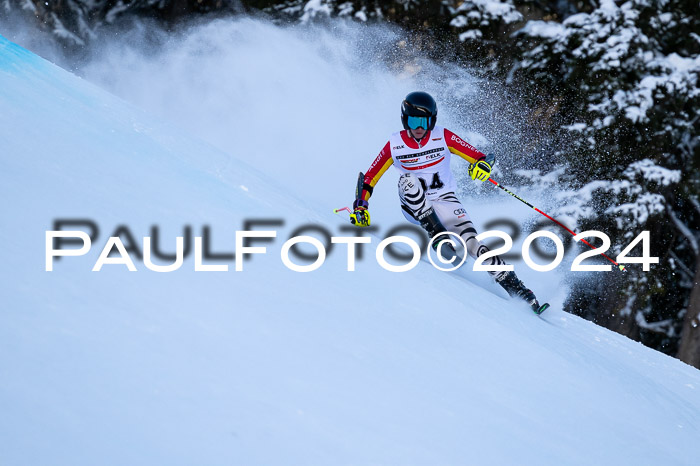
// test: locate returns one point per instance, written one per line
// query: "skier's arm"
(380, 165)
(459, 146)
(479, 168)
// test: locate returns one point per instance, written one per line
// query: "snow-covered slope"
(270, 366)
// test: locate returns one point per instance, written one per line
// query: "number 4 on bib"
(435, 184)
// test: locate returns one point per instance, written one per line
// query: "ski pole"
(358, 193)
(621, 267)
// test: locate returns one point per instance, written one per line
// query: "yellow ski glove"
(360, 217)
(480, 170)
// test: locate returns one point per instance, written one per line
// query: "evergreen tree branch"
(685, 231)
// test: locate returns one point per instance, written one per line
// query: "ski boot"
(516, 288)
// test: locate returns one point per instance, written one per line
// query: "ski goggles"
(415, 122)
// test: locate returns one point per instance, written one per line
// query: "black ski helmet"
(420, 104)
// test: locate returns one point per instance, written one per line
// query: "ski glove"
(360, 217)
(480, 170)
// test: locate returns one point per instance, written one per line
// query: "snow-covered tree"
(74, 23)
(626, 77)
(483, 26)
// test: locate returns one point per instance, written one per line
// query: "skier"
(421, 152)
